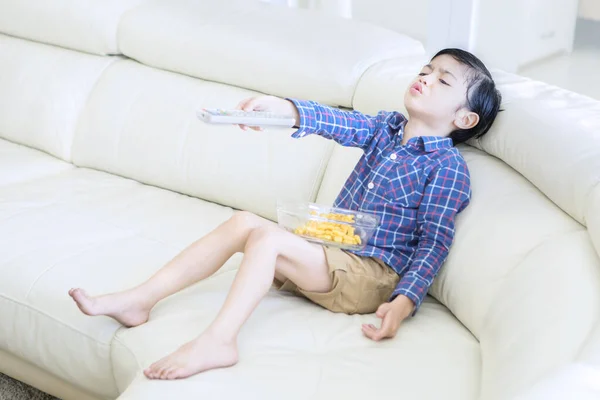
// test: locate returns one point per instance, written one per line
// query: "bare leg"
(198, 261)
(268, 250)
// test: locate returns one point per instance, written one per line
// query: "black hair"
(482, 96)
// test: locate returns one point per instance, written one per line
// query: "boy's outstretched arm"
(348, 128)
(447, 193)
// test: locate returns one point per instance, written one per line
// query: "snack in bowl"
(329, 226)
(331, 231)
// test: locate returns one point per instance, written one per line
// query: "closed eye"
(444, 82)
(422, 74)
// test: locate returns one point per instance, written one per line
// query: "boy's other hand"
(271, 104)
(391, 314)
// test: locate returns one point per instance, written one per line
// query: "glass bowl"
(328, 226)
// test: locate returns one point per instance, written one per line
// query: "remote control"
(248, 118)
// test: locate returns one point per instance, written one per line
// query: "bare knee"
(247, 221)
(264, 241)
(267, 237)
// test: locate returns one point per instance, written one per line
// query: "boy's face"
(438, 95)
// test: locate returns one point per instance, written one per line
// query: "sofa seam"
(323, 167)
(114, 60)
(118, 27)
(36, 149)
(34, 179)
(45, 271)
(586, 196)
(116, 340)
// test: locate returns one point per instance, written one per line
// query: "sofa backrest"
(277, 50)
(90, 26)
(141, 123)
(43, 90)
(139, 120)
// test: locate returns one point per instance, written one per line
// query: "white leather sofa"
(106, 174)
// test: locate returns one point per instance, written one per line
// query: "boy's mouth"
(417, 87)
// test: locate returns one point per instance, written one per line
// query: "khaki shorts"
(359, 284)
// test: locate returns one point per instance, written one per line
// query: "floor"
(11, 389)
(577, 71)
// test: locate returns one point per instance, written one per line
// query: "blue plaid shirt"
(417, 189)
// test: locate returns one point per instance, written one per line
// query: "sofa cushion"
(43, 89)
(89, 26)
(82, 228)
(579, 381)
(141, 123)
(560, 154)
(20, 163)
(276, 50)
(293, 349)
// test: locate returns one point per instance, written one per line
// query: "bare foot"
(201, 354)
(125, 307)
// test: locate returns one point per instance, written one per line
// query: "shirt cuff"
(308, 117)
(412, 287)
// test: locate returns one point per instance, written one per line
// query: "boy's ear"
(465, 119)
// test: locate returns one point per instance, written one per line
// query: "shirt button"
(371, 185)
(393, 156)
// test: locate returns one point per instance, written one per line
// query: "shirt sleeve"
(348, 128)
(447, 193)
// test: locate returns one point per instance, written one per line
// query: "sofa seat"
(91, 229)
(292, 349)
(19, 163)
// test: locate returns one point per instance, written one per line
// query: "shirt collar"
(397, 121)
(433, 143)
(427, 143)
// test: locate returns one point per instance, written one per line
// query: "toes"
(169, 373)
(155, 369)
(163, 372)
(76, 293)
(174, 373)
(151, 372)
(159, 364)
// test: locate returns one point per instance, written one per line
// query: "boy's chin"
(412, 108)
(416, 108)
(412, 104)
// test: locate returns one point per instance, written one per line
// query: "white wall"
(589, 9)
(410, 17)
(505, 34)
(452, 23)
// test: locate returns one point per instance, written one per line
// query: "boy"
(410, 175)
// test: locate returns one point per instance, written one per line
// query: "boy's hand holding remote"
(271, 104)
